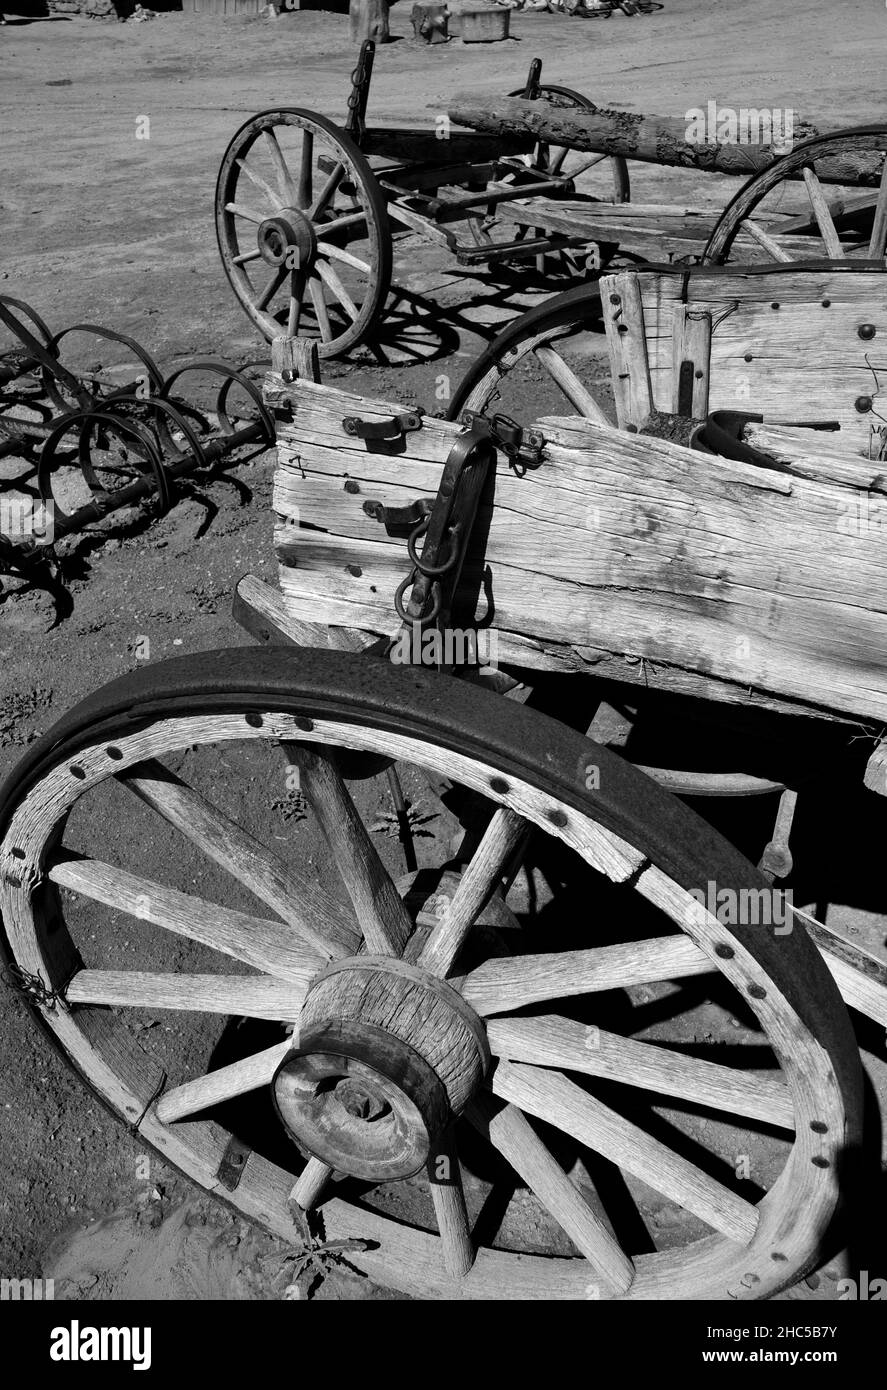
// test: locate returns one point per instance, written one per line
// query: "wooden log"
(368, 19)
(653, 139)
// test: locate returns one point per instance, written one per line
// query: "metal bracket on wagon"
(523, 448)
(394, 427)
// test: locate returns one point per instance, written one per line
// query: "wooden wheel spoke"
(282, 173)
(258, 182)
(331, 278)
(589, 164)
(297, 294)
(236, 1079)
(311, 1182)
(323, 923)
(556, 1100)
(878, 238)
(551, 1041)
(822, 213)
(501, 841)
(315, 290)
(445, 1182)
(379, 907)
(568, 382)
(338, 224)
(249, 996)
(502, 985)
(339, 254)
(757, 233)
(266, 944)
(305, 190)
(248, 214)
(329, 188)
(270, 290)
(245, 256)
(512, 1135)
(554, 166)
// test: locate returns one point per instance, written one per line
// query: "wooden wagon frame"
(306, 210)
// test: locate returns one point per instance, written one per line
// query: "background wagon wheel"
(609, 182)
(799, 209)
(485, 1050)
(554, 356)
(303, 230)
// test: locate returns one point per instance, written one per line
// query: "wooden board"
(785, 343)
(650, 228)
(705, 575)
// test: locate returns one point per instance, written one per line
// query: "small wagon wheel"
(806, 199)
(396, 1053)
(303, 230)
(609, 183)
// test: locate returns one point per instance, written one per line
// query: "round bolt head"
(866, 331)
(863, 404)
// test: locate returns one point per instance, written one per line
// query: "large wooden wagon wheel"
(392, 1046)
(303, 230)
(838, 221)
(609, 183)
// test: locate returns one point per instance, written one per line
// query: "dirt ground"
(100, 226)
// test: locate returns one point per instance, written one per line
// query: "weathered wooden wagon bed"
(414, 1025)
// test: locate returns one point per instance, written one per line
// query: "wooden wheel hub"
(288, 230)
(387, 1055)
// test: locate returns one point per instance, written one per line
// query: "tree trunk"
(369, 20)
(655, 139)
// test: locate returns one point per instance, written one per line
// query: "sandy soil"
(99, 226)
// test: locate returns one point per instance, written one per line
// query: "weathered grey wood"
(323, 924)
(659, 552)
(550, 1096)
(876, 770)
(691, 354)
(512, 1134)
(655, 139)
(551, 1041)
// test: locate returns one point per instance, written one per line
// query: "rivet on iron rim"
(866, 331)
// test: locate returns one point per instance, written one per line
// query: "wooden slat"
(249, 996)
(691, 337)
(501, 840)
(379, 907)
(514, 1137)
(268, 945)
(553, 1098)
(319, 920)
(236, 1079)
(551, 1041)
(501, 985)
(626, 340)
